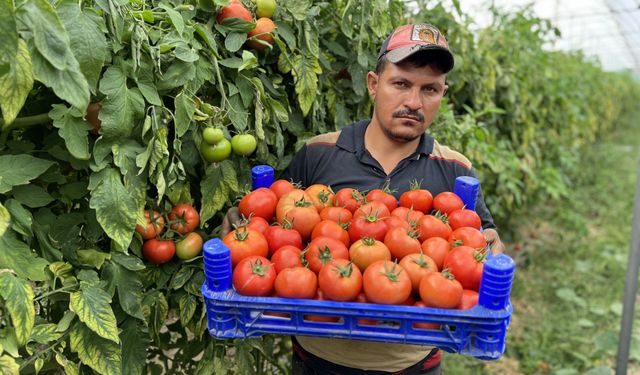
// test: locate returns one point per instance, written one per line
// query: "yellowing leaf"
(18, 300)
(93, 307)
(103, 356)
(16, 83)
(20, 169)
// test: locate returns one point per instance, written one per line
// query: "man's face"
(406, 99)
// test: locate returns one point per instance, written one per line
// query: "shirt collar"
(352, 139)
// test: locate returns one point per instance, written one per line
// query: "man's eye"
(400, 84)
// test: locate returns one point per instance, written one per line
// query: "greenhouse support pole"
(630, 287)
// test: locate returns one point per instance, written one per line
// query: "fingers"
(231, 219)
(493, 239)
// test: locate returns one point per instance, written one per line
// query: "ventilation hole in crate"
(216, 284)
(219, 316)
(426, 325)
(496, 302)
(379, 323)
(368, 322)
(276, 315)
(321, 319)
(451, 328)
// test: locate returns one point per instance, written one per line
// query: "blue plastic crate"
(479, 332)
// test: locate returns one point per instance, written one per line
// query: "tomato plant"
(261, 36)
(158, 251)
(183, 218)
(340, 280)
(93, 110)
(234, 10)
(189, 247)
(254, 276)
(154, 227)
(216, 153)
(243, 144)
(212, 135)
(265, 8)
(386, 282)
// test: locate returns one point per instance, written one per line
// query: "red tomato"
(384, 196)
(447, 202)
(184, 218)
(321, 318)
(396, 222)
(234, 9)
(258, 223)
(338, 214)
(469, 299)
(464, 218)
(466, 263)
(436, 248)
(280, 235)
(244, 243)
(440, 289)
(296, 282)
(362, 298)
(340, 280)
(297, 207)
(386, 282)
(433, 226)
(281, 187)
(260, 202)
(408, 215)
(254, 276)
(417, 265)
(372, 208)
(368, 250)
(329, 228)
(417, 198)
(367, 226)
(321, 250)
(402, 242)
(468, 236)
(158, 251)
(321, 196)
(424, 325)
(286, 257)
(349, 198)
(154, 227)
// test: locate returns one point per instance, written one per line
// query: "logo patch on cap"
(424, 33)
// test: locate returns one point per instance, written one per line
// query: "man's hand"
(493, 240)
(231, 220)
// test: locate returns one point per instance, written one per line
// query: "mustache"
(409, 113)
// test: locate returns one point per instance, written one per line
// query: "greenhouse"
(319, 187)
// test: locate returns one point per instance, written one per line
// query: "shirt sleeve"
(297, 169)
(481, 207)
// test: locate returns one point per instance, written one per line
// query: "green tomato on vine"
(265, 8)
(216, 153)
(212, 135)
(244, 144)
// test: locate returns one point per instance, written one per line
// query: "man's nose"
(412, 100)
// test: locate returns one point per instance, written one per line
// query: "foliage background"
(75, 295)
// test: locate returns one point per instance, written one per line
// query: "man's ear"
(372, 83)
(446, 88)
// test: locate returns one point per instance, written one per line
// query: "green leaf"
(175, 17)
(220, 180)
(21, 219)
(178, 74)
(234, 41)
(87, 41)
(103, 356)
(128, 285)
(9, 342)
(32, 196)
(20, 169)
(181, 277)
(69, 367)
(17, 256)
(188, 304)
(155, 309)
(93, 307)
(64, 323)
(305, 72)
(9, 32)
(8, 366)
(115, 206)
(5, 219)
(135, 338)
(249, 61)
(299, 9)
(185, 108)
(44, 333)
(121, 106)
(18, 300)
(17, 81)
(129, 262)
(93, 258)
(73, 128)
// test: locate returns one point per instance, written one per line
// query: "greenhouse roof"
(608, 30)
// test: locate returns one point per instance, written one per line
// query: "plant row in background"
(113, 108)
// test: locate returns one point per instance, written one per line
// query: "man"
(407, 88)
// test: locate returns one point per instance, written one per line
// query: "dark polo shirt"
(340, 160)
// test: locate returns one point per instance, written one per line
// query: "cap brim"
(444, 55)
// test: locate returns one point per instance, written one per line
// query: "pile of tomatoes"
(171, 234)
(349, 246)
